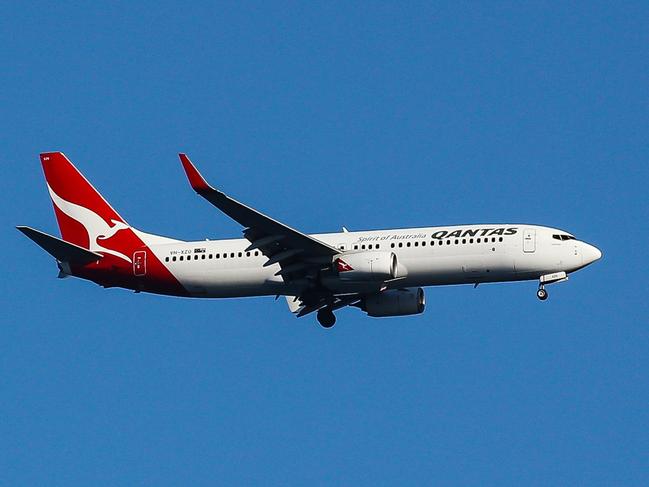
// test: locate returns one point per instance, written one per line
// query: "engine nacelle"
(367, 266)
(396, 302)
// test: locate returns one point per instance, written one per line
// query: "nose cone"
(590, 253)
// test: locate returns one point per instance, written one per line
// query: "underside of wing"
(311, 301)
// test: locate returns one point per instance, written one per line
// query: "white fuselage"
(458, 254)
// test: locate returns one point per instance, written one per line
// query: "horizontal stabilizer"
(60, 249)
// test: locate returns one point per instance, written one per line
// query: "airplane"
(382, 272)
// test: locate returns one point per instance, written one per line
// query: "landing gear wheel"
(326, 318)
(542, 294)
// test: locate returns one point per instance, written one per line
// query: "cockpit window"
(563, 237)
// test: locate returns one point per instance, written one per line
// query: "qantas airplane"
(382, 272)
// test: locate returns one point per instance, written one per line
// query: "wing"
(296, 253)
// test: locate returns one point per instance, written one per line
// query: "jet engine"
(395, 302)
(367, 266)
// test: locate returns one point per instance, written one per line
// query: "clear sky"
(369, 115)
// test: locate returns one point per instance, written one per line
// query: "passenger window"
(240, 254)
(363, 247)
(210, 256)
(355, 247)
(457, 242)
(470, 240)
(478, 240)
(493, 239)
(423, 244)
(500, 239)
(203, 256)
(218, 256)
(463, 240)
(232, 255)
(225, 255)
(432, 243)
(377, 246)
(166, 259)
(181, 257)
(416, 244)
(400, 244)
(392, 245)
(369, 246)
(173, 258)
(448, 242)
(408, 244)
(256, 253)
(247, 254)
(196, 257)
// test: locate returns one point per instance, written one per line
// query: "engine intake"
(395, 302)
(367, 266)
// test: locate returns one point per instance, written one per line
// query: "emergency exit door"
(529, 240)
(139, 263)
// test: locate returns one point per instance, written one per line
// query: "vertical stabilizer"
(85, 218)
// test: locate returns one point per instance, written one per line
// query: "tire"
(542, 294)
(326, 318)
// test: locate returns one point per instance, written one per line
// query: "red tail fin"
(85, 218)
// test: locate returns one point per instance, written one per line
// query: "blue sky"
(370, 115)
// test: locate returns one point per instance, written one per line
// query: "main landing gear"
(326, 318)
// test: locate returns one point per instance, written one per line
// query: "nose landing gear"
(326, 318)
(542, 294)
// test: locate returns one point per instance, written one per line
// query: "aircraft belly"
(459, 269)
(233, 282)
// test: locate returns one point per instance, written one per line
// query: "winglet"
(197, 181)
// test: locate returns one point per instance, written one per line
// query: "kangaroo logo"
(95, 225)
(342, 266)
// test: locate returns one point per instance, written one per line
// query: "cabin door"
(529, 240)
(139, 263)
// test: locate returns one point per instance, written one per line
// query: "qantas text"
(474, 232)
